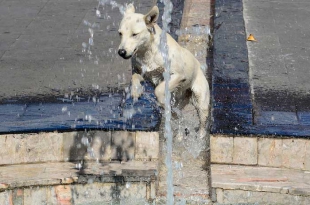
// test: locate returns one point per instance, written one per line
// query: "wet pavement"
(266, 92)
(59, 68)
(107, 112)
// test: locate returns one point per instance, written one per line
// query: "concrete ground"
(45, 48)
(279, 59)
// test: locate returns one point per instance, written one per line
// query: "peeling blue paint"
(106, 113)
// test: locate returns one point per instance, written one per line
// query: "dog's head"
(135, 30)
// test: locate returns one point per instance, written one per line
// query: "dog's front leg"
(174, 83)
(136, 87)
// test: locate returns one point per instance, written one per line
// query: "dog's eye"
(135, 34)
(120, 34)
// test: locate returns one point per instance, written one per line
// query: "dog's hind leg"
(201, 100)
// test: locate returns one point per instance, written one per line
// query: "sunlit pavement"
(266, 92)
(47, 48)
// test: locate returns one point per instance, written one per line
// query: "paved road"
(41, 51)
(280, 59)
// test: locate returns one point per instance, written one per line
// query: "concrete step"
(235, 184)
(76, 146)
(68, 183)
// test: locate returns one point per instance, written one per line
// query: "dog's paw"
(136, 91)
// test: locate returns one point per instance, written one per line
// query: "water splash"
(166, 18)
(114, 4)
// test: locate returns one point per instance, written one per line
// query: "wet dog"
(140, 41)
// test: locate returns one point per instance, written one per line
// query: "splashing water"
(166, 18)
(114, 4)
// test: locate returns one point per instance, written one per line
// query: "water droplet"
(98, 13)
(64, 109)
(91, 41)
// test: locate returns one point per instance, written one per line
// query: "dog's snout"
(122, 52)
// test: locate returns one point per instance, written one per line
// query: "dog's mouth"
(127, 57)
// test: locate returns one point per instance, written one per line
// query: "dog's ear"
(151, 17)
(130, 9)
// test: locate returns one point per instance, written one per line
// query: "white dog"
(140, 38)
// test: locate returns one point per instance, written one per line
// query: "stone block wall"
(257, 197)
(79, 194)
(74, 146)
(261, 150)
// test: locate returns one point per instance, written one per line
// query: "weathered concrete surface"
(221, 149)
(74, 146)
(88, 194)
(245, 150)
(46, 174)
(261, 150)
(235, 184)
(84, 181)
(41, 52)
(147, 146)
(237, 197)
(279, 59)
(28, 148)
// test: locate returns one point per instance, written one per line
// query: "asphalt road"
(45, 49)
